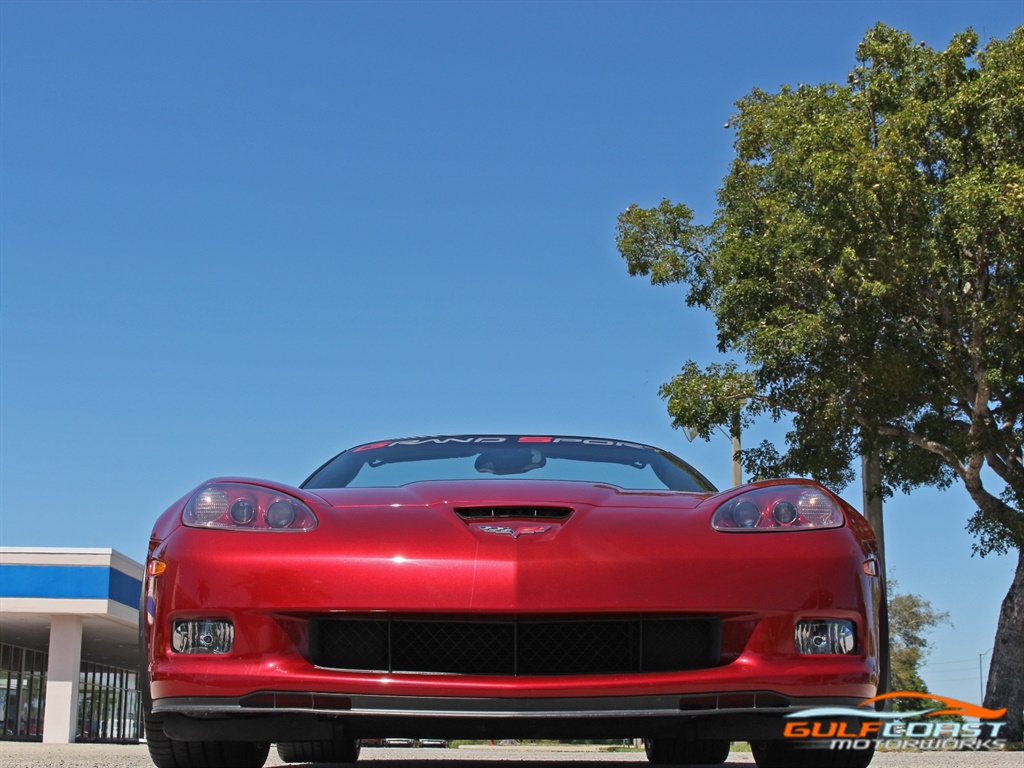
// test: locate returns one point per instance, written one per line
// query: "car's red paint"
(405, 552)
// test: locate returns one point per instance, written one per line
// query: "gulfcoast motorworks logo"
(895, 731)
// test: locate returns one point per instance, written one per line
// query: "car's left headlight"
(779, 508)
(244, 507)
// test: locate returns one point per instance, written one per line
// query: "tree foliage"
(911, 618)
(865, 265)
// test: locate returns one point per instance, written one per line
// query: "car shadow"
(526, 762)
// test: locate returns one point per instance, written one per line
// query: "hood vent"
(480, 513)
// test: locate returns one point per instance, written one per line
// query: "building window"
(22, 693)
(108, 699)
(108, 704)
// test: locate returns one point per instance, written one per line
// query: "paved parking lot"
(24, 755)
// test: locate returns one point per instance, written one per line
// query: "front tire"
(783, 754)
(166, 752)
(337, 752)
(667, 751)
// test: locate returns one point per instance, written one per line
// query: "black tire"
(783, 754)
(667, 751)
(166, 752)
(344, 751)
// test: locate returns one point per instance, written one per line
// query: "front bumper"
(288, 715)
(270, 686)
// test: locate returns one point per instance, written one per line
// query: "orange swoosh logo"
(955, 707)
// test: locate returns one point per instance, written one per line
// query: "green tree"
(865, 266)
(911, 618)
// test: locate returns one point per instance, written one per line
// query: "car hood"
(507, 492)
(415, 549)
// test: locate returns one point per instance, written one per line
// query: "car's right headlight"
(245, 507)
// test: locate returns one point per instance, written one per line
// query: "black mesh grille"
(365, 644)
(516, 647)
(474, 513)
(435, 646)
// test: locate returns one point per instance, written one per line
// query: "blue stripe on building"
(77, 582)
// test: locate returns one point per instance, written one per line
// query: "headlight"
(244, 507)
(779, 508)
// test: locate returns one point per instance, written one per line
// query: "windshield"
(392, 463)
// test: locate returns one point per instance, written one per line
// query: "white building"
(69, 632)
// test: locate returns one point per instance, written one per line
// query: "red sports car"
(505, 586)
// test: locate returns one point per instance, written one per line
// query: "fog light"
(202, 636)
(825, 636)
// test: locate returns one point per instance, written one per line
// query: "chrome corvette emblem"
(515, 533)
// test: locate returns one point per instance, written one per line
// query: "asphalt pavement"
(34, 755)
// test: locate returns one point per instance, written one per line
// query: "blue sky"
(240, 237)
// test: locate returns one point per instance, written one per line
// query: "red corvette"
(505, 586)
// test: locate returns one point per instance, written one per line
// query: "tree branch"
(934, 446)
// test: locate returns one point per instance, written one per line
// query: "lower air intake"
(516, 647)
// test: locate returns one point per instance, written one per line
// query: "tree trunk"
(737, 467)
(1006, 674)
(871, 482)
